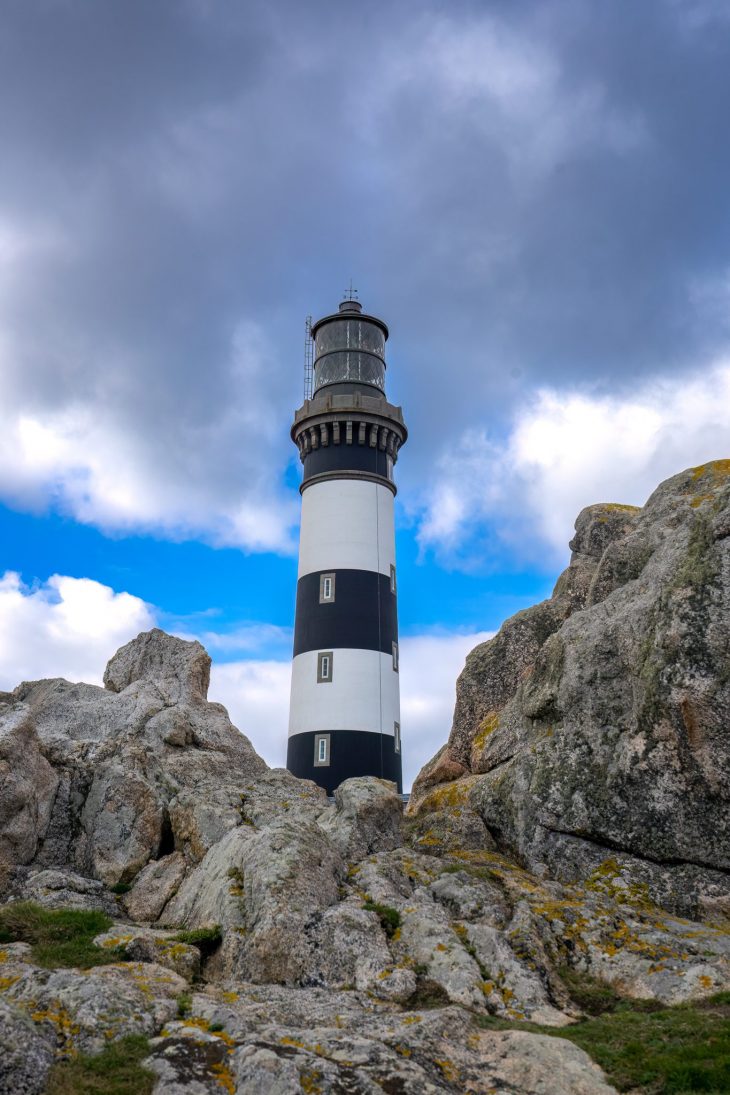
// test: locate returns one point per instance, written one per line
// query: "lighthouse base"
(348, 753)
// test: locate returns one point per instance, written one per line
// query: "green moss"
(700, 566)
(647, 1048)
(114, 1071)
(184, 1004)
(388, 916)
(58, 937)
(206, 940)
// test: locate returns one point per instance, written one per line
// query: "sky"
(535, 196)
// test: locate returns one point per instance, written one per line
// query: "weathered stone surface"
(26, 1055)
(367, 817)
(62, 890)
(279, 1040)
(28, 786)
(128, 763)
(154, 886)
(148, 945)
(179, 669)
(597, 722)
(80, 1010)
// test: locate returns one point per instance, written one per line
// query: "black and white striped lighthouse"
(345, 698)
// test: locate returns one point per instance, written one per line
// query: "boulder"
(115, 777)
(367, 817)
(596, 723)
(28, 787)
(26, 1055)
(154, 886)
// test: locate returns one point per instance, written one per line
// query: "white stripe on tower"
(347, 524)
(363, 694)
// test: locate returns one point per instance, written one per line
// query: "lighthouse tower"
(345, 698)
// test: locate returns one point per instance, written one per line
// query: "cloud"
(66, 627)
(70, 627)
(180, 188)
(568, 449)
(429, 666)
(85, 459)
(256, 694)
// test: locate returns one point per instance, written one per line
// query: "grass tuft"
(207, 940)
(389, 917)
(58, 937)
(644, 1047)
(114, 1071)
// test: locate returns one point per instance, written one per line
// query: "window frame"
(393, 579)
(319, 741)
(325, 576)
(395, 656)
(323, 678)
(396, 736)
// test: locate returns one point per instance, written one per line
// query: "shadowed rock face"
(599, 720)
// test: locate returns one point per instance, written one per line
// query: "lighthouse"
(344, 717)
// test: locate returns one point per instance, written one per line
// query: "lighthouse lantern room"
(345, 699)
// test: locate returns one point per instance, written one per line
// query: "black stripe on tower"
(352, 753)
(362, 616)
(346, 458)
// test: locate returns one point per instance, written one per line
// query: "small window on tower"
(396, 736)
(326, 588)
(324, 667)
(321, 750)
(389, 467)
(395, 656)
(393, 588)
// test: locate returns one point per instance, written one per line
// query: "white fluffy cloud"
(256, 694)
(569, 449)
(67, 627)
(70, 627)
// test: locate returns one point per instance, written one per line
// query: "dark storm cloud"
(529, 193)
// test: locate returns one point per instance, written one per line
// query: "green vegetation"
(184, 1004)
(643, 1046)
(120, 887)
(206, 940)
(389, 917)
(59, 937)
(114, 1071)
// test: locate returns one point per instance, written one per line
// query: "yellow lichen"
(448, 1068)
(486, 727)
(309, 1082)
(7, 982)
(718, 469)
(224, 1077)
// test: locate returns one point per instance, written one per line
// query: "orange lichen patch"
(287, 1041)
(60, 1019)
(230, 997)
(718, 469)
(454, 793)
(7, 982)
(3, 956)
(309, 1082)
(224, 1077)
(705, 981)
(404, 1051)
(620, 507)
(413, 1019)
(448, 1068)
(486, 727)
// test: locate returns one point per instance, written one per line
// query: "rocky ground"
(265, 939)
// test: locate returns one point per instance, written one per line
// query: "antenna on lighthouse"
(308, 358)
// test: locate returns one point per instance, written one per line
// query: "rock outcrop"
(264, 938)
(598, 723)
